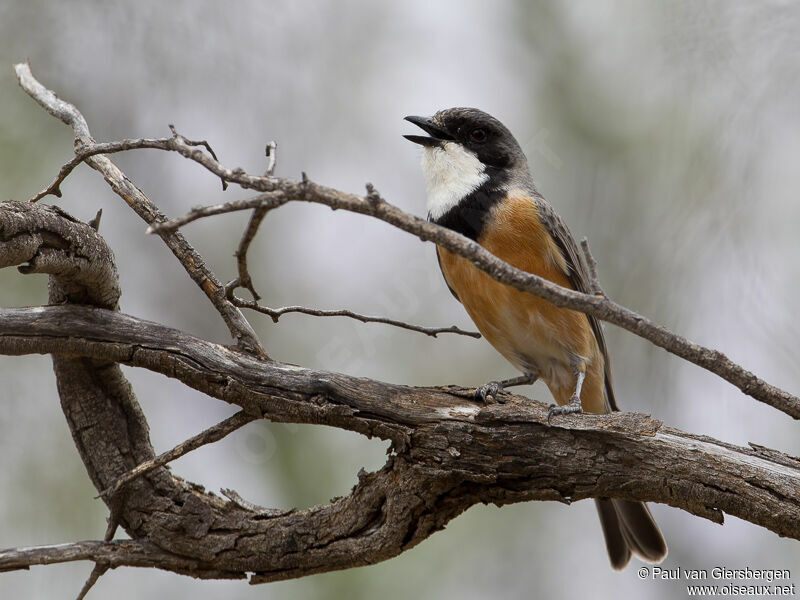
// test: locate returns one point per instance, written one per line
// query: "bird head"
(466, 149)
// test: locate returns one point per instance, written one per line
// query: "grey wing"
(578, 276)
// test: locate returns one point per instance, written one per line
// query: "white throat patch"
(451, 173)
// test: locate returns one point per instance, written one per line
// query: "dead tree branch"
(240, 329)
(281, 191)
(599, 306)
(447, 451)
(591, 263)
(119, 553)
(276, 313)
(244, 280)
(209, 436)
(98, 571)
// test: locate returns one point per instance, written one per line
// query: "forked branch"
(280, 191)
(447, 451)
(597, 304)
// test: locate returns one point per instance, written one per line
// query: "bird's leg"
(574, 404)
(488, 391)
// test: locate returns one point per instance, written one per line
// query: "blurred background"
(665, 132)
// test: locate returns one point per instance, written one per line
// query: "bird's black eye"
(478, 135)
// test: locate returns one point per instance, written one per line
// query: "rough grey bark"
(448, 452)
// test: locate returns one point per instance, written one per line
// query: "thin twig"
(277, 313)
(97, 572)
(591, 263)
(134, 553)
(202, 143)
(244, 280)
(271, 152)
(266, 203)
(261, 511)
(266, 200)
(93, 149)
(95, 222)
(114, 509)
(209, 436)
(87, 150)
(238, 326)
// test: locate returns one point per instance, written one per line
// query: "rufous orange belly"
(534, 335)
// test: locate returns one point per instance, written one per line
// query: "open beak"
(437, 134)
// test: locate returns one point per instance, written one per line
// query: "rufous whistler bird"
(478, 184)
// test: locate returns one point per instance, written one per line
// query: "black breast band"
(468, 217)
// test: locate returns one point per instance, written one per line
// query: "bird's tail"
(629, 528)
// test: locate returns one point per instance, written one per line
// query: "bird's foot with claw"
(572, 407)
(487, 393)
